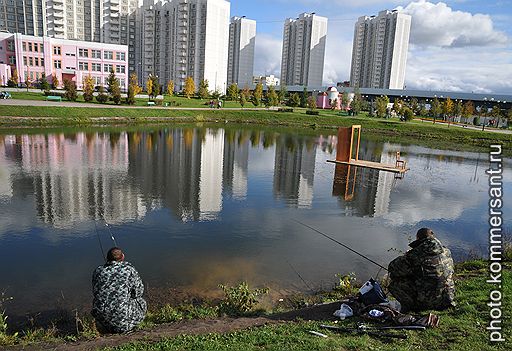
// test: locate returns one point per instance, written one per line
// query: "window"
(122, 82)
(83, 66)
(24, 46)
(70, 54)
(29, 46)
(30, 61)
(83, 52)
(120, 56)
(96, 54)
(41, 47)
(108, 55)
(120, 69)
(12, 60)
(57, 64)
(107, 67)
(25, 60)
(36, 47)
(96, 67)
(41, 61)
(56, 50)
(36, 61)
(97, 80)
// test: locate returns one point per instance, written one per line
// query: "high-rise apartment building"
(242, 38)
(304, 50)
(177, 39)
(379, 52)
(111, 21)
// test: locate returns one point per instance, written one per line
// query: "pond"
(194, 207)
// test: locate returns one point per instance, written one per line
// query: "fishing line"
(340, 243)
(298, 274)
(99, 240)
(110, 231)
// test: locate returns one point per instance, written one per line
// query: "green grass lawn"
(461, 328)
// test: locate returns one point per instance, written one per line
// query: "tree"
(257, 94)
(509, 117)
(55, 82)
(70, 90)
(282, 93)
(101, 97)
(357, 102)
(110, 80)
(333, 104)
(415, 106)
(149, 86)
(407, 113)
(382, 105)
(435, 108)
(468, 109)
(311, 103)
(114, 88)
(170, 87)
(457, 109)
(272, 98)
(294, 100)
(232, 93)
(28, 81)
(304, 97)
(133, 89)
(156, 85)
(43, 83)
(447, 108)
(88, 88)
(190, 87)
(244, 96)
(344, 101)
(398, 105)
(203, 92)
(14, 80)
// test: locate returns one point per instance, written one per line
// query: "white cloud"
(439, 25)
(267, 55)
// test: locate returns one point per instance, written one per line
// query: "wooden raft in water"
(345, 149)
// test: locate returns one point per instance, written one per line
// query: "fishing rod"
(99, 240)
(110, 231)
(340, 243)
(298, 274)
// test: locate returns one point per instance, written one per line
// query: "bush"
(408, 114)
(70, 88)
(102, 98)
(239, 299)
(49, 93)
(312, 112)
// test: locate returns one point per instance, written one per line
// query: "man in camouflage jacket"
(118, 305)
(422, 279)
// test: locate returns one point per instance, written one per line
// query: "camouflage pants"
(422, 295)
(405, 292)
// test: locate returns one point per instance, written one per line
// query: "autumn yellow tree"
(133, 89)
(190, 87)
(170, 88)
(88, 88)
(447, 107)
(149, 86)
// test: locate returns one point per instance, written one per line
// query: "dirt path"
(192, 327)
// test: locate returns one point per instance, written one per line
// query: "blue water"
(195, 207)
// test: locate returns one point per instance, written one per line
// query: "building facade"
(379, 52)
(33, 56)
(304, 50)
(242, 39)
(177, 39)
(111, 22)
(266, 81)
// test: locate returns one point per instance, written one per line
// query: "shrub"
(70, 88)
(240, 299)
(312, 112)
(101, 97)
(408, 114)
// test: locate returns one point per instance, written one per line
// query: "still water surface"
(195, 207)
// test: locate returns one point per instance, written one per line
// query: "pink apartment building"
(66, 59)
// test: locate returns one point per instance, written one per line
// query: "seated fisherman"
(422, 278)
(118, 305)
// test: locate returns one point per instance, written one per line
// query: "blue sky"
(459, 45)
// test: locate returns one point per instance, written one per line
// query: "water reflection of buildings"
(294, 170)
(68, 179)
(365, 192)
(236, 163)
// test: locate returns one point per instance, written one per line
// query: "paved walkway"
(19, 102)
(468, 126)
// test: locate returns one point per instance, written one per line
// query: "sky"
(455, 45)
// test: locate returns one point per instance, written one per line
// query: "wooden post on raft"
(345, 150)
(345, 145)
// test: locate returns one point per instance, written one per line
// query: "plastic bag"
(344, 312)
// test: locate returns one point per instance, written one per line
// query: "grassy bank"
(421, 133)
(461, 328)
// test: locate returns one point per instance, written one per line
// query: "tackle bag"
(371, 293)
